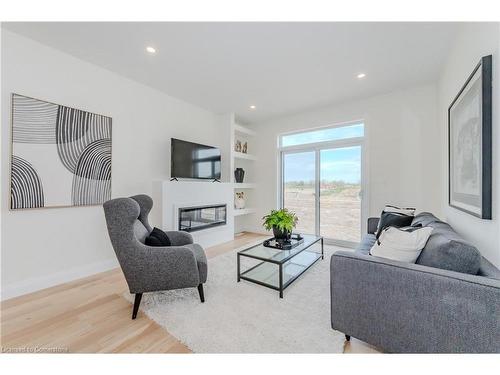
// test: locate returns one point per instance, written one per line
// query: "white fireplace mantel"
(169, 196)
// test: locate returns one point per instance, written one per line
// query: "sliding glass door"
(322, 183)
(299, 184)
(340, 193)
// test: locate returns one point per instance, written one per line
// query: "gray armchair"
(147, 268)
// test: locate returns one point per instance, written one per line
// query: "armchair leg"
(137, 302)
(347, 338)
(200, 291)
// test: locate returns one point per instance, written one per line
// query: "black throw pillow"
(157, 237)
(393, 219)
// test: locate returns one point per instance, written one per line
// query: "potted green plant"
(281, 222)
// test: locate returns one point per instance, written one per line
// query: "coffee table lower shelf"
(280, 276)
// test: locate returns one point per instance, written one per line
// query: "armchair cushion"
(157, 237)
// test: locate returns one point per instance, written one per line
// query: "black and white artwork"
(61, 156)
(470, 144)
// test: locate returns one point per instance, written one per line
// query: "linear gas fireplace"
(202, 217)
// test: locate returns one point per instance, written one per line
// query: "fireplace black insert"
(196, 218)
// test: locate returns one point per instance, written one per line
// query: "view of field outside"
(299, 175)
(340, 188)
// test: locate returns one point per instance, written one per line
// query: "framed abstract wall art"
(60, 156)
(470, 143)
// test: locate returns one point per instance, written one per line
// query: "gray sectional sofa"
(447, 302)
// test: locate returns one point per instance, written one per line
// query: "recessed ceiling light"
(252, 107)
(361, 75)
(151, 49)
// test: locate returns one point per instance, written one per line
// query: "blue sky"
(342, 164)
(321, 135)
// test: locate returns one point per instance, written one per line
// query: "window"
(321, 182)
(323, 135)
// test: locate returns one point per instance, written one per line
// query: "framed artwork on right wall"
(470, 144)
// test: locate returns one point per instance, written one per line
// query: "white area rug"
(248, 318)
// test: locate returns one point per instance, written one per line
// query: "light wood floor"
(91, 316)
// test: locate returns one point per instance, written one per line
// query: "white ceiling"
(282, 68)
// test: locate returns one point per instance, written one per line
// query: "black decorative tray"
(295, 240)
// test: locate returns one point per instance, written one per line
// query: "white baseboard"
(43, 282)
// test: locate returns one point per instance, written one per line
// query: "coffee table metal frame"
(282, 286)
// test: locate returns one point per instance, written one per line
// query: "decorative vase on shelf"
(237, 146)
(239, 174)
(239, 201)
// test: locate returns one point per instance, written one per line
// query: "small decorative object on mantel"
(239, 174)
(61, 156)
(244, 147)
(470, 143)
(239, 200)
(281, 222)
(237, 146)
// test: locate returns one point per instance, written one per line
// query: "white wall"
(401, 151)
(474, 41)
(48, 246)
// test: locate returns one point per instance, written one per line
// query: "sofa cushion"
(487, 269)
(443, 228)
(393, 219)
(366, 244)
(424, 219)
(446, 250)
(402, 244)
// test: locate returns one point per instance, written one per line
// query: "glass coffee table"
(277, 269)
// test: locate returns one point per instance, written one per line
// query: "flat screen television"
(193, 160)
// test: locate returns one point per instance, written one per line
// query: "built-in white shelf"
(244, 160)
(243, 211)
(243, 130)
(241, 155)
(244, 185)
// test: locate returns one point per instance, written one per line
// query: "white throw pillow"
(403, 244)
